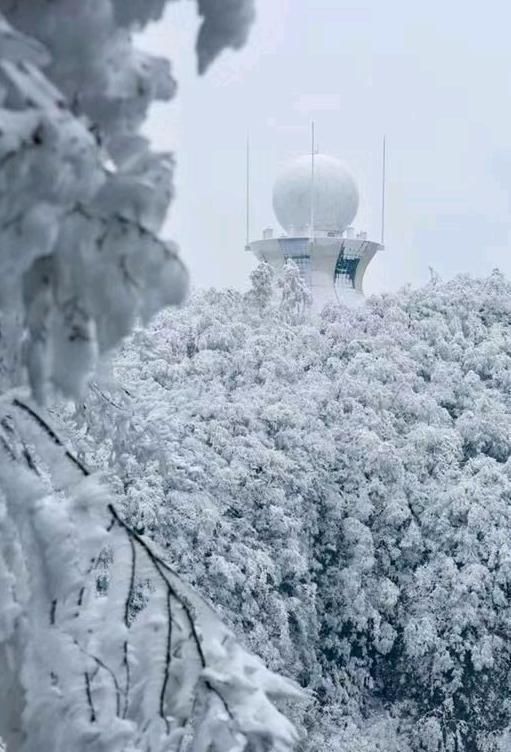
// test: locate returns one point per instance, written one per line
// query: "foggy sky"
(435, 77)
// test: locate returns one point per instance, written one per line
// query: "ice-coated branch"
(185, 676)
(83, 197)
(102, 645)
(226, 23)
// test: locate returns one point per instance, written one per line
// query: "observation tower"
(315, 200)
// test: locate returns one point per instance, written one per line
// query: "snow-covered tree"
(261, 290)
(340, 487)
(102, 644)
(296, 295)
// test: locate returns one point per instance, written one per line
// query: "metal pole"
(383, 187)
(248, 192)
(313, 154)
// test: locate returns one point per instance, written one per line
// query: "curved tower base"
(333, 267)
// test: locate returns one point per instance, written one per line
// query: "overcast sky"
(434, 76)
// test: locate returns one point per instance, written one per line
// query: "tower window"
(345, 270)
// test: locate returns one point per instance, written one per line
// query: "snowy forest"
(340, 490)
(227, 523)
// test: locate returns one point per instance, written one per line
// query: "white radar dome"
(335, 195)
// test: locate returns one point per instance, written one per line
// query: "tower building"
(315, 200)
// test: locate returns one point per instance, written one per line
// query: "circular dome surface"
(335, 195)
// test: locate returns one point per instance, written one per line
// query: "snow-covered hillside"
(341, 490)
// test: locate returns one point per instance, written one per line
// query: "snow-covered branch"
(101, 641)
(83, 195)
(102, 644)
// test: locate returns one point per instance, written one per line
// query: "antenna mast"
(313, 156)
(383, 187)
(247, 240)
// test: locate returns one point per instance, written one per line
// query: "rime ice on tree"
(98, 649)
